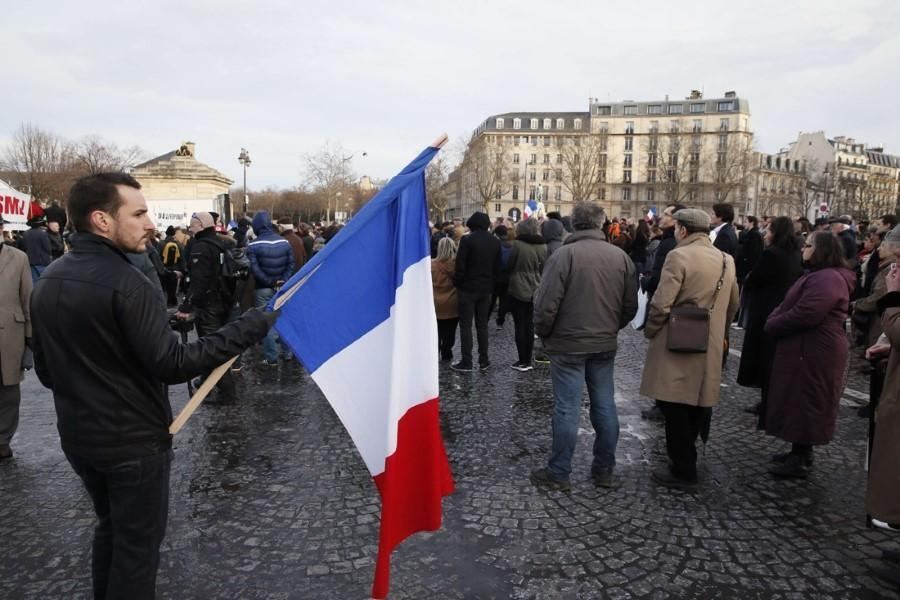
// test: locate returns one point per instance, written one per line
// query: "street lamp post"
(244, 159)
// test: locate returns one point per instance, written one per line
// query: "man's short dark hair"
(890, 220)
(675, 207)
(96, 192)
(753, 220)
(724, 212)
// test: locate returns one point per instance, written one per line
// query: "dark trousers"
(131, 500)
(209, 320)
(10, 398)
(501, 299)
(473, 307)
(447, 337)
(170, 285)
(523, 317)
(683, 425)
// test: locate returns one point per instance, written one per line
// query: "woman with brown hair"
(811, 349)
(445, 301)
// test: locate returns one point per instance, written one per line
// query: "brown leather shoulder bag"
(688, 329)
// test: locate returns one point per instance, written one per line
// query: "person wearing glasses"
(811, 351)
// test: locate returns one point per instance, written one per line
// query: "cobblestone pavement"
(270, 500)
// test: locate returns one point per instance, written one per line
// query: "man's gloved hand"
(271, 316)
(27, 356)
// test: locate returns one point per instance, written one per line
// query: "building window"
(626, 194)
(629, 144)
(547, 123)
(546, 140)
(627, 162)
(726, 106)
(534, 140)
(531, 194)
(696, 142)
(626, 176)
(674, 127)
(629, 127)
(517, 123)
(654, 109)
(654, 126)
(546, 159)
(559, 159)
(651, 196)
(577, 123)
(532, 176)
(516, 158)
(651, 160)
(515, 192)
(651, 177)
(516, 140)
(603, 127)
(698, 108)
(694, 158)
(557, 174)
(723, 124)
(546, 175)
(534, 123)
(560, 123)
(631, 109)
(698, 126)
(694, 176)
(673, 160)
(723, 142)
(603, 193)
(499, 124)
(532, 159)
(498, 208)
(604, 110)
(675, 109)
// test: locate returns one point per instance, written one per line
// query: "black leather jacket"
(103, 345)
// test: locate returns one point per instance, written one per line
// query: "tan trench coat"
(883, 492)
(689, 276)
(15, 320)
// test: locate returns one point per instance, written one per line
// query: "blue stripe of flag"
(354, 278)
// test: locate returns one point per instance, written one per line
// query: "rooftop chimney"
(731, 94)
(695, 95)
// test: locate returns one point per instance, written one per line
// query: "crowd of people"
(73, 306)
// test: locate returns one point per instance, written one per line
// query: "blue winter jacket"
(270, 254)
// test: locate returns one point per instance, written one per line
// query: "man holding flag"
(360, 317)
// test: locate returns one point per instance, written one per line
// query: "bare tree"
(487, 164)
(583, 164)
(94, 155)
(329, 172)
(730, 167)
(40, 160)
(672, 165)
(435, 181)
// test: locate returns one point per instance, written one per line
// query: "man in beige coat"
(687, 384)
(15, 327)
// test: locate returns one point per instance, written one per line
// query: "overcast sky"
(282, 77)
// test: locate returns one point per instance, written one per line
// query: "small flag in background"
(531, 208)
(360, 317)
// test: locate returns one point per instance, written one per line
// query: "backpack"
(171, 254)
(234, 269)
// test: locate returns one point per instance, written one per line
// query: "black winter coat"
(764, 289)
(205, 269)
(726, 240)
(666, 244)
(103, 345)
(477, 262)
(749, 251)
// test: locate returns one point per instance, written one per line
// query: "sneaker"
(236, 368)
(885, 526)
(793, 467)
(499, 325)
(653, 414)
(522, 367)
(604, 478)
(484, 366)
(779, 459)
(461, 366)
(5, 452)
(665, 478)
(542, 359)
(543, 479)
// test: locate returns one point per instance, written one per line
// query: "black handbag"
(688, 330)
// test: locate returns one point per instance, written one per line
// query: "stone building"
(630, 156)
(778, 187)
(176, 185)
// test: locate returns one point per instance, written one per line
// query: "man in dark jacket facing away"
(477, 266)
(36, 244)
(272, 263)
(103, 345)
(749, 250)
(588, 293)
(840, 226)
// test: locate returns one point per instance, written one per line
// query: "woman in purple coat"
(807, 376)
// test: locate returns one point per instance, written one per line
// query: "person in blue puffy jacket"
(272, 263)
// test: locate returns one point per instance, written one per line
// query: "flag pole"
(200, 395)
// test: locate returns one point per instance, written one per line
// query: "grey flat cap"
(693, 217)
(893, 236)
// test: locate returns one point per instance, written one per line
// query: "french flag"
(531, 208)
(360, 317)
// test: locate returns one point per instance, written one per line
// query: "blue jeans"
(261, 297)
(36, 272)
(131, 500)
(569, 372)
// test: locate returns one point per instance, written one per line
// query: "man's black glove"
(271, 317)
(27, 356)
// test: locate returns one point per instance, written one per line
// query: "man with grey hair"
(588, 293)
